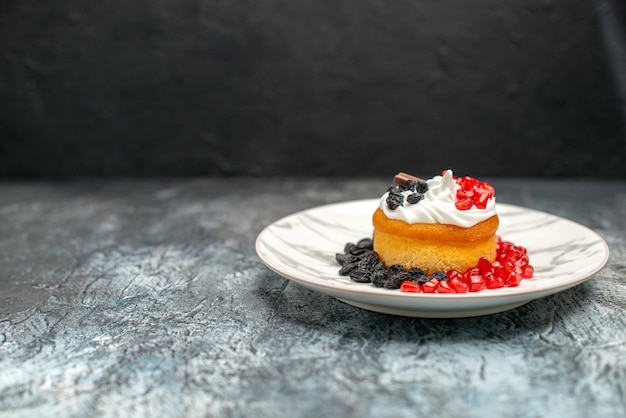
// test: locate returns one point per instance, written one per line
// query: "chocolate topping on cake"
(401, 178)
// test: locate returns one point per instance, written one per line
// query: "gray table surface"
(146, 298)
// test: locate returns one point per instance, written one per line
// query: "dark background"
(333, 88)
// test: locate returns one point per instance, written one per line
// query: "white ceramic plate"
(302, 248)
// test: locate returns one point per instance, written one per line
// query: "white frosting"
(438, 206)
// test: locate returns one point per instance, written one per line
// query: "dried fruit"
(414, 198)
(410, 185)
(394, 200)
(439, 275)
(352, 248)
(394, 281)
(347, 268)
(379, 278)
(368, 260)
(421, 187)
(362, 265)
(366, 243)
(418, 275)
(396, 268)
(361, 275)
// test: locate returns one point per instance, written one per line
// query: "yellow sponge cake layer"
(433, 247)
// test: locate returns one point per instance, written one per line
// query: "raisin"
(347, 268)
(366, 243)
(395, 280)
(379, 277)
(414, 198)
(379, 266)
(368, 260)
(410, 185)
(396, 268)
(439, 275)
(417, 271)
(340, 258)
(351, 248)
(361, 275)
(418, 275)
(421, 187)
(395, 189)
(394, 200)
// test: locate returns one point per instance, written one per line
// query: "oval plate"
(302, 248)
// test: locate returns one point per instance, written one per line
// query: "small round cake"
(444, 223)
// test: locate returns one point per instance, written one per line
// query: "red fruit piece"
(464, 204)
(484, 265)
(477, 283)
(508, 266)
(494, 282)
(481, 198)
(462, 194)
(513, 255)
(430, 286)
(488, 187)
(409, 286)
(458, 284)
(445, 287)
(475, 279)
(514, 277)
(467, 183)
(524, 260)
(528, 271)
(477, 191)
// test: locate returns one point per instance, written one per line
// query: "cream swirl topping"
(438, 205)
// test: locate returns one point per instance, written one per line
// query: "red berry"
(513, 255)
(445, 287)
(500, 272)
(464, 204)
(484, 265)
(488, 187)
(528, 271)
(462, 194)
(454, 273)
(468, 183)
(481, 198)
(477, 283)
(508, 266)
(494, 282)
(524, 260)
(430, 286)
(478, 191)
(409, 286)
(505, 246)
(474, 279)
(514, 277)
(474, 271)
(458, 284)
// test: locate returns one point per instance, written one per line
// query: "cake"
(440, 224)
